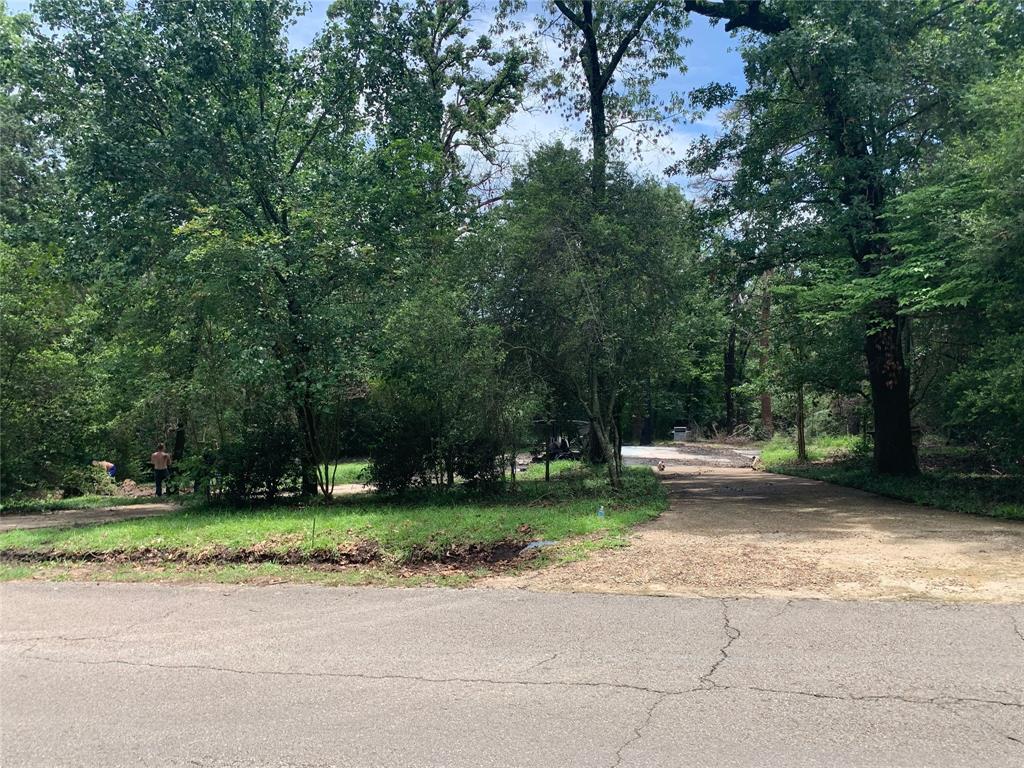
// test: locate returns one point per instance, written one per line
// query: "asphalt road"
(154, 675)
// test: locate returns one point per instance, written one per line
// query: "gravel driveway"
(739, 532)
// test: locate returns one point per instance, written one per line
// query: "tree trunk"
(595, 453)
(767, 417)
(890, 400)
(801, 438)
(647, 432)
(599, 135)
(309, 475)
(730, 380)
(309, 462)
(606, 442)
(178, 451)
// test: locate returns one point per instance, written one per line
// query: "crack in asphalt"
(782, 610)
(543, 661)
(933, 700)
(1016, 628)
(731, 634)
(361, 675)
(706, 683)
(39, 639)
(981, 720)
(660, 695)
(639, 729)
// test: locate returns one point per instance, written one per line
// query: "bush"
(443, 402)
(257, 464)
(91, 481)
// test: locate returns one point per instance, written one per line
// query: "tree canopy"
(271, 255)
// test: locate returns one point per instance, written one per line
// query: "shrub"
(256, 464)
(92, 481)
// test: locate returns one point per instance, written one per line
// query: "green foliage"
(960, 230)
(269, 256)
(258, 462)
(845, 461)
(588, 293)
(244, 215)
(989, 495)
(444, 406)
(51, 397)
(780, 451)
(87, 481)
(845, 103)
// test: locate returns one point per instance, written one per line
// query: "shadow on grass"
(992, 495)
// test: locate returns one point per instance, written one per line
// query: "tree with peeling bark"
(844, 101)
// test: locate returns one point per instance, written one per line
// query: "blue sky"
(711, 57)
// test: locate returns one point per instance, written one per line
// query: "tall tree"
(959, 230)
(591, 294)
(431, 79)
(623, 48)
(844, 99)
(181, 122)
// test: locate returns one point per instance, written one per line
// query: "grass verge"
(421, 535)
(839, 461)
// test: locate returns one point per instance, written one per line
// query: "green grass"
(350, 472)
(780, 450)
(427, 522)
(841, 461)
(535, 471)
(28, 506)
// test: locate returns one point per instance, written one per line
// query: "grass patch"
(535, 470)
(780, 450)
(422, 527)
(841, 461)
(30, 506)
(11, 572)
(350, 472)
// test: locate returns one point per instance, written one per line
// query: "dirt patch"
(735, 532)
(365, 552)
(70, 518)
(469, 555)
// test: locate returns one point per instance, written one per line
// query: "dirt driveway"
(738, 532)
(70, 518)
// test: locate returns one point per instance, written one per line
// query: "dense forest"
(270, 256)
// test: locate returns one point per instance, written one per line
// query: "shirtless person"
(161, 462)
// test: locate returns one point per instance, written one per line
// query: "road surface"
(157, 675)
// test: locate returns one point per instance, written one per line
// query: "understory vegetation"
(950, 479)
